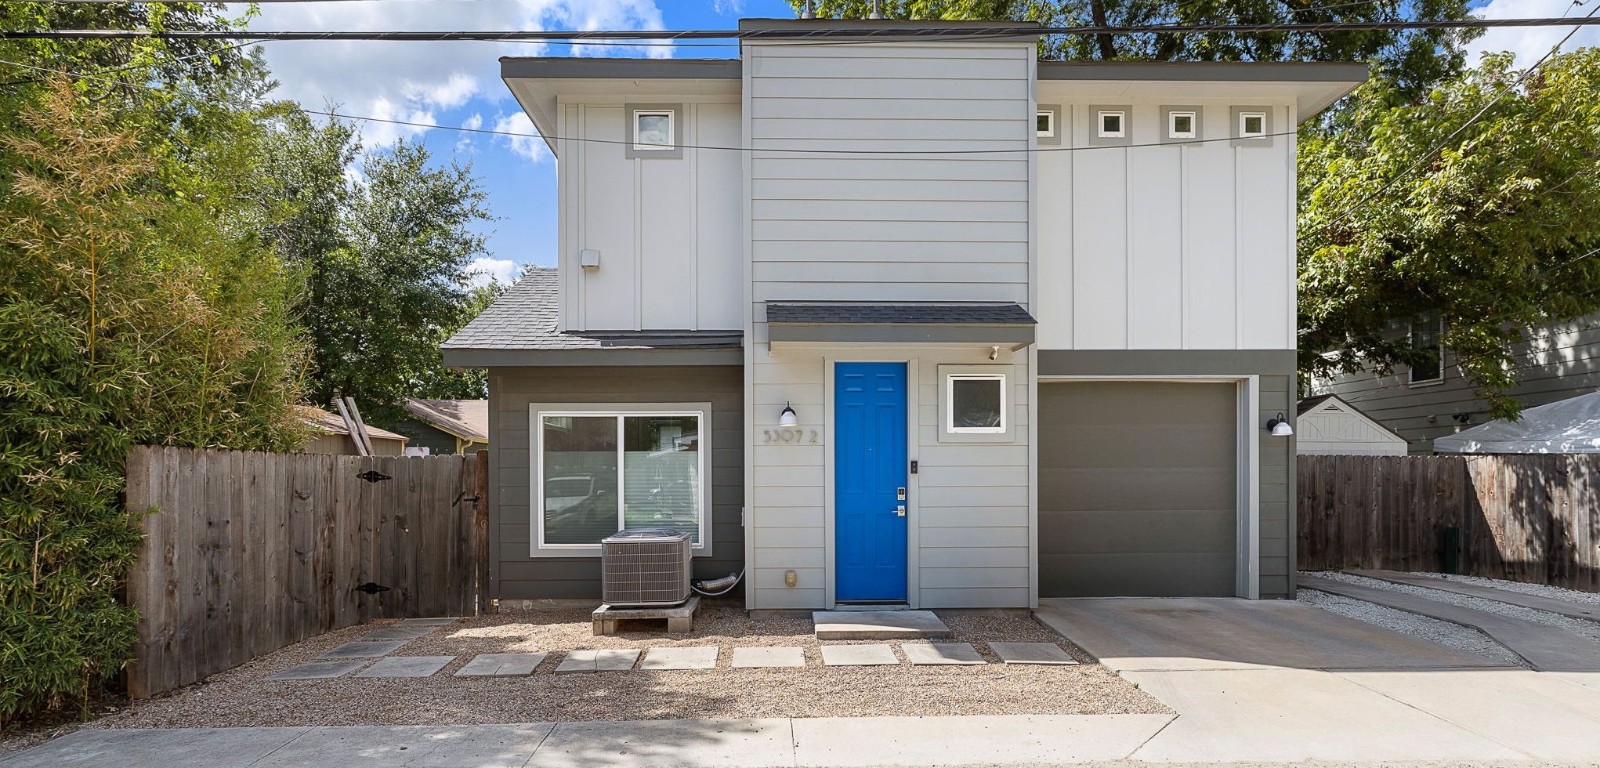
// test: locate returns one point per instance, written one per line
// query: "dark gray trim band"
(1166, 362)
(631, 69)
(515, 358)
(810, 25)
(920, 333)
(1225, 71)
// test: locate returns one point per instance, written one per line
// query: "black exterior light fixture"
(1279, 426)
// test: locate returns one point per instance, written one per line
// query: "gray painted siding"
(515, 575)
(424, 435)
(1558, 361)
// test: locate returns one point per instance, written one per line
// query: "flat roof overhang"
(1310, 86)
(923, 323)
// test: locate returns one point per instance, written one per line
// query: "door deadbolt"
(900, 494)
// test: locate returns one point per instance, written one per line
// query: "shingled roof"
(525, 319)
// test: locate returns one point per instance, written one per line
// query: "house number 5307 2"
(789, 436)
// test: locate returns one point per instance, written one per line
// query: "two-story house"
(923, 322)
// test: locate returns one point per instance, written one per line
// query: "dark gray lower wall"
(437, 441)
(517, 576)
(1276, 369)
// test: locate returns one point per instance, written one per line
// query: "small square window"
(1113, 125)
(1180, 125)
(654, 130)
(976, 403)
(1044, 124)
(1252, 125)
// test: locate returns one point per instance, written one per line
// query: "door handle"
(900, 511)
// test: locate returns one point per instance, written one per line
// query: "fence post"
(481, 529)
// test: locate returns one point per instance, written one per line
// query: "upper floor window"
(1044, 124)
(654, 130)
(1112, 124)
(1180, 125)
(1426, 331)
(1252, 125)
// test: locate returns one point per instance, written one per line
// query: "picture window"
(654, 130)
(1113, 125)
(1044, 123)
(975, 403)
(1181, 125)
(1252, 125)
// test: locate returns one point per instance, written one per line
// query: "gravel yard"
(1434, 631)
(241, 697)
(1587, 628)
(1541, 590)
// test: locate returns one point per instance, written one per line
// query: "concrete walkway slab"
(941, 654)
(858, 656)
(667, 744)
(1230, 633)
(431, 621)
(1531, 712)
(1543, 646)
(364, 649)
(1032, 653)
(1292, 715)
(319, 670)
(412, 746)
(755, 657)
(692, 657)
(599, 660)
(1568, 608)
(397, 633)
(406, 666)
(877, 625)
(1031, 740)
(501, 665)
(151, 748)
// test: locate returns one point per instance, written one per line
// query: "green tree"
(1497, 231)
(1411, 60)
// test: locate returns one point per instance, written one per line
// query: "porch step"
(877, 625)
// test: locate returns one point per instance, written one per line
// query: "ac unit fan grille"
(642, 568)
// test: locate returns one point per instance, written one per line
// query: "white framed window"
(1424, 336)
(975, 403)
(1252, 125)
(597, 470)
(1181, 125)
(1111, 124)
(655, 130)
(1044, 124)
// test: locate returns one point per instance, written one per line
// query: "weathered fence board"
(245, 553)
(1525, 518)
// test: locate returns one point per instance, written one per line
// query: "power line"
(895, 33)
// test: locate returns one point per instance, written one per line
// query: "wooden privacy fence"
(1529, 518)
(245, 553)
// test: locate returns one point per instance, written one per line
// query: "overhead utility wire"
(897, 33)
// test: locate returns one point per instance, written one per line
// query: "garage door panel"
(1145, 575)
(1138, 488)
(1147, 532)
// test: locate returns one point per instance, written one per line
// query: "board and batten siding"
(888, 226)
(515, 575)
(1167, 246)
(1557, 361)
(667, 229)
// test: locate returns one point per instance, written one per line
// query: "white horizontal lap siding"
(864, 221)
(1166, 247)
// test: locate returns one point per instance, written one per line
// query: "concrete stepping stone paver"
(319, 670)
(768, 657)
(501, 665)
(364, 649)
(599, 660)
(858, 656)
(694, 657)
(877, 625)
(941, 654)
(406, 666)
(1031, 653)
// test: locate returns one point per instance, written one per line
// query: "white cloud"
(728, 7)
(1529, 43)
(484, 270)
(414, 81)
(528, 145)
(464, 144)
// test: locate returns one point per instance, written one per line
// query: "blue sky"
(457, 83)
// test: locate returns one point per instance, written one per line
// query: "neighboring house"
(1558, 361)
(1330, 426)
(446, 426)
(330, 435)
(825, 309)
(1565, 426)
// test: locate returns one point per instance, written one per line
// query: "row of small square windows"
(1181, 124)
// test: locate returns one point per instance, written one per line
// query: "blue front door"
(869, 477)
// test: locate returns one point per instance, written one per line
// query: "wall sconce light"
(1279, 426)
(788, 418)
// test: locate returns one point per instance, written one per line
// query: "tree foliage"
(1496, 231)
(1411, 60)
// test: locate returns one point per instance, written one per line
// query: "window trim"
(1057, 128)
(1100, 124)
(673, 150)
(1237, 115)
(672, 130)
(619, 411)
(950, 380)
(1172, 124)
(1050, 118)
(1411, 331)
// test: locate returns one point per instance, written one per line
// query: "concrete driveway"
(1278, 681)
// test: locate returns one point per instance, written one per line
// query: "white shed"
(1565, 426)
(1328, 425)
